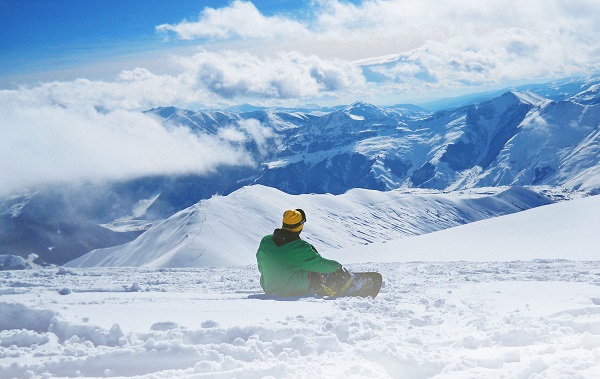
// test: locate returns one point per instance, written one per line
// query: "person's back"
(287, 263)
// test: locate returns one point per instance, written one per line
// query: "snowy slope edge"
(224, 231)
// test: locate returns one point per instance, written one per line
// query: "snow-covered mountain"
(590, 96)
(514, 139)
(225, 230)
(517, 138)
(59, 226)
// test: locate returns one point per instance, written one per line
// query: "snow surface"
(14, 262)
(566, 230)
(533, 318)
(224, 230)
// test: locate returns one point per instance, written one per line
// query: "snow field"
(535, 319)
(455, 303)
(225, 230)
(565, 230)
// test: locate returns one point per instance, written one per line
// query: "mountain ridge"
(434, 152)
(515, 139)
(201, 235)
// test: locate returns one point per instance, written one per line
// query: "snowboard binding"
(336, 283)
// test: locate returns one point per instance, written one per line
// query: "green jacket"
(284, 268)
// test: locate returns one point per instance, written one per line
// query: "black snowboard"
(360, 284)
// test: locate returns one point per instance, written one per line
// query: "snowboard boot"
(336, 282)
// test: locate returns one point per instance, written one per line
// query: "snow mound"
(225, 231)
(566, 230)
(15, 262)
(17, 316)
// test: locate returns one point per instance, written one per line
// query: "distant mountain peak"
(242, 108)
(363, 110)
(528, 97)
(590, 96)
(362, 105)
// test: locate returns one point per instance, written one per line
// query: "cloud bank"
(420, 46)
(232, 75)
(49, 142)
(240, 19)
(86, 130)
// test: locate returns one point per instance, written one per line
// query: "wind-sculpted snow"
(536, 319)
(225, 230)
(563, 230)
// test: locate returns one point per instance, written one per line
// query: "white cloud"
(251, 130)
(136, 89)
(292, 75)
(430, 47)
(96, 130)
(239, 19)
(262, 136)
(495, 58)
(439, 43)
(44, 141)
(231, 134)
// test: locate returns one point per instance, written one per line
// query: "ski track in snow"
(522, 319)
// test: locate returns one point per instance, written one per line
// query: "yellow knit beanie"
(293, 220)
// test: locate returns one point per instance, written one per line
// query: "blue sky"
(45, 35)
(61, 31)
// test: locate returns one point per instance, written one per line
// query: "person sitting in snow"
(290, 266)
